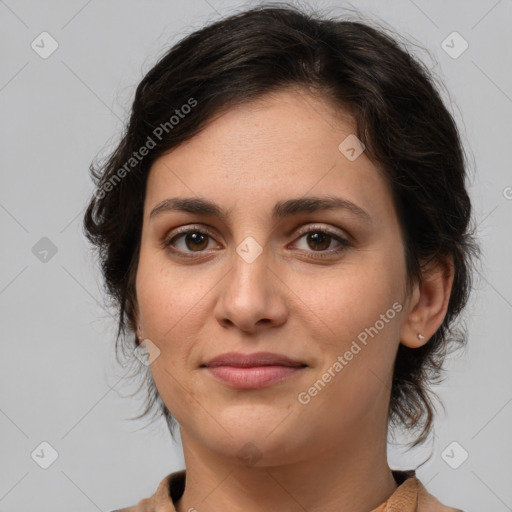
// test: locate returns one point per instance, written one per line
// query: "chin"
(256, 443)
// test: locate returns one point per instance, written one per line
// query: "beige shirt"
(410, 496)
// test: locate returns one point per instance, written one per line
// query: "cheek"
(358, 314)
(169, 300)
(358, 351)
(173, 304)
(351, 298)
(167, 317)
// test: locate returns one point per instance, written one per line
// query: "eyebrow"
(281, 209)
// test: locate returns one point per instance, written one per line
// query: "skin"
(327, 455)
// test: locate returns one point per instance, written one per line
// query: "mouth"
(252, 371)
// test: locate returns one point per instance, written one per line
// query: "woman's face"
(324, 287)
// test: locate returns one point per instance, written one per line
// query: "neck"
(347, 477)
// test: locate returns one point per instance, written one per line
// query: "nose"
(252, 296)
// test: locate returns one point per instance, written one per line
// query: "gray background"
(59, 381)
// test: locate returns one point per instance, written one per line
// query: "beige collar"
(410, 496)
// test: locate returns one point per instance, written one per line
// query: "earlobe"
(429, 304)
(411, 340)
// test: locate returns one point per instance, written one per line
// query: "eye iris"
(196, 238)
(317, 238)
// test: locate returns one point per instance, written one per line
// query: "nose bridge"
(250, 294)
(249, 276)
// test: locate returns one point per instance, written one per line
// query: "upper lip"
(250, 360)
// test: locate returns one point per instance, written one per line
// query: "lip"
(252, 371)
(251, 360)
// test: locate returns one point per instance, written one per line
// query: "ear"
(428, 303)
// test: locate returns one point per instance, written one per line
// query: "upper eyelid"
(306, 228)
(318, 227)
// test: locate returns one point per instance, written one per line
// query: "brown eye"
(319, 240)
(188, 241)
(195, 240)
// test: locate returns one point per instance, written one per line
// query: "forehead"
(285, 144)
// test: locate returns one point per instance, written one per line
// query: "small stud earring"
(420, 336)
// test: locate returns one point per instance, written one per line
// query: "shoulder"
(428, 503)
(162, 500)
(412, 496)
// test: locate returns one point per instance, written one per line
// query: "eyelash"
(167, 243)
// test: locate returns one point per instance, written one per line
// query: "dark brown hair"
(400, 118)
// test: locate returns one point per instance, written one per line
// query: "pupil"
(199, 241)
(196, 238)
(317, 238)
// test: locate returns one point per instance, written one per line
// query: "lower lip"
(253, 378)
